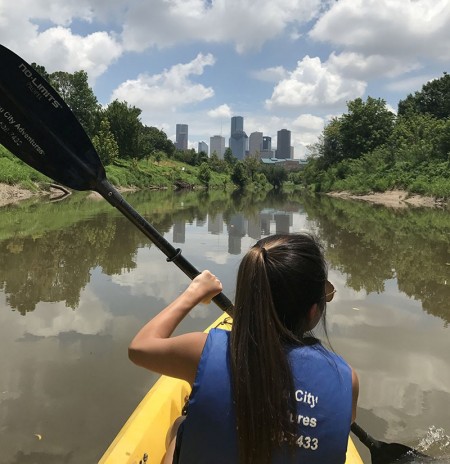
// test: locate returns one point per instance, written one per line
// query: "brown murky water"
(77, 280)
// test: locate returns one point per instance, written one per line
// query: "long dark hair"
(278, 281)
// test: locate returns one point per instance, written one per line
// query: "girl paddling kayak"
(268, 391)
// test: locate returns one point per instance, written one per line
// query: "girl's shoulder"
(317, 353)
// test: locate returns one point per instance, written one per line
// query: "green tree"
(152, 139)
(366, 126)
(229, 158)
(420, 137)
(434, 99)
(202, 157)
(239, 175)
(253, 166)
(204, 174)
(331, 143)
(276, 175)
(76, 92)
(296, 177)
(127, 128)
(216, 164)
(105, 144)
(42, 71)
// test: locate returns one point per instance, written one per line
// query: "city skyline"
(290, 64)
(241, 145)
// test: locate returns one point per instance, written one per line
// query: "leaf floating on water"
(355, 309)
(38, 436)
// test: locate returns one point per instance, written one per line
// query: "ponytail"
(262, 328)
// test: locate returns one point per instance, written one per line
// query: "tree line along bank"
(368, 148)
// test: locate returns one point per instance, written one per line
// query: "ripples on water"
(436, 442)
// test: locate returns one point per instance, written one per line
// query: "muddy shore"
(393, 198)
(12, 194)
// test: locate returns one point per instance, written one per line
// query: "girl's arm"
(155, 349)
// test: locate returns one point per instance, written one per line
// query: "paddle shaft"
(364, 437)
(173, 254)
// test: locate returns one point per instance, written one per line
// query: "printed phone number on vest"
(307, 443)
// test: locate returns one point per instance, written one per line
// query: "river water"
(77, 280)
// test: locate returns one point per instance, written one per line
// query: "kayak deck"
(143, 437)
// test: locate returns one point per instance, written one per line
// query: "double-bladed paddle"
(37, 126)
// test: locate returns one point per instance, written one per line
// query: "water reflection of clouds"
(53, 319)
(154, 277)
(148, 278)
(343, 291)
(218, 258)
(59, 378)
(388, 342)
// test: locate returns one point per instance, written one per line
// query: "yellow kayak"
(142, 439)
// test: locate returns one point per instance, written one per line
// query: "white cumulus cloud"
(273, 74)
(169, 90)
(309, 122)
(359, 66)
(248, 24)
(314, 84)
(59, 49)
(222, 111)
(405, 29)
(40, 31)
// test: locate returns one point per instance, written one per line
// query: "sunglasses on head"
(329, 291)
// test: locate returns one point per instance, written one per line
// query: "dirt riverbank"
(393, 198)
(12, 194)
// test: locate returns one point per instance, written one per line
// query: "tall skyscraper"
(266, 151)
(202, 146)
(283, 144)
(217, 145)
(182, 137)
(239, 140)
(237, 124)
(267, 143)
(255, 142)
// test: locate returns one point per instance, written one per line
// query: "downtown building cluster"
(240, 144)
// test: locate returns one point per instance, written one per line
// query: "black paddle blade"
(388, 453)
(397, 453)
(38, 127)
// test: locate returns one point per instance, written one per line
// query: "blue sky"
(289, 64)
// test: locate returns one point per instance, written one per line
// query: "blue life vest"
(323, 392)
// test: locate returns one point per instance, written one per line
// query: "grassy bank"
(125, 173)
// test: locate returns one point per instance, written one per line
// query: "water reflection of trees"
(371, 244)
(47, 252)
(56, 266)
